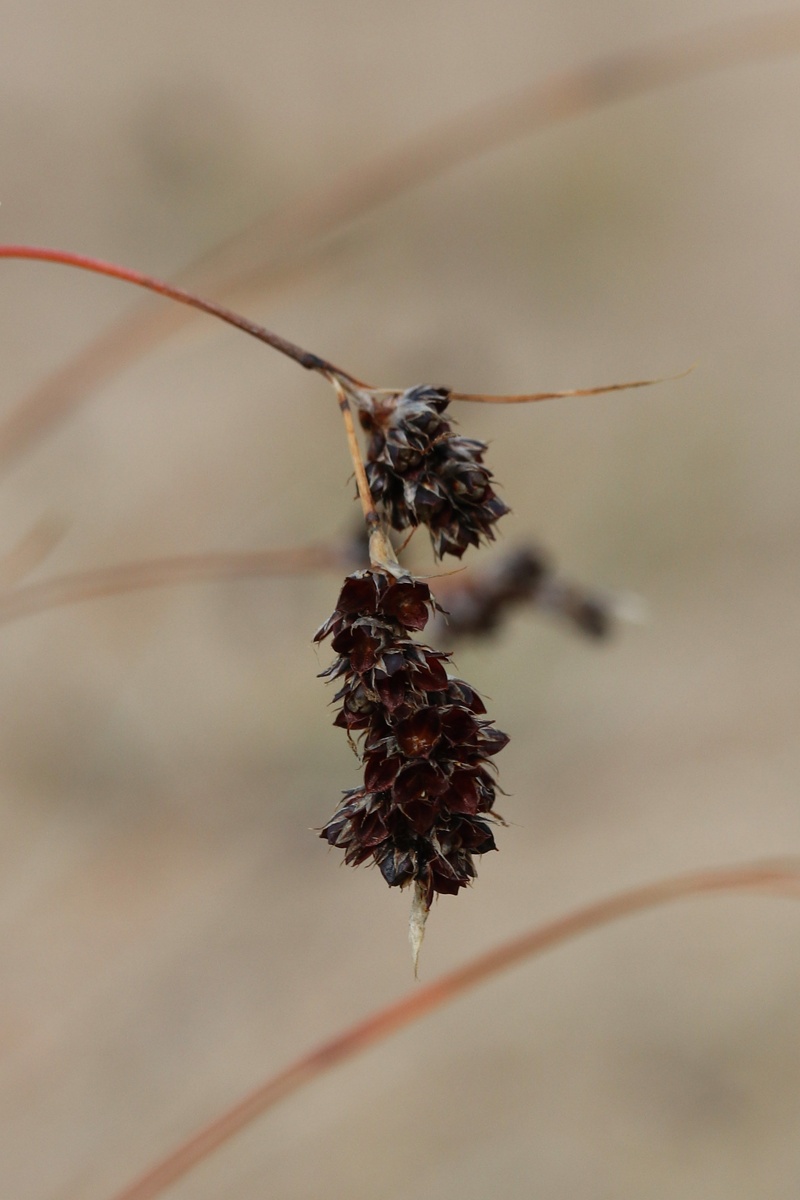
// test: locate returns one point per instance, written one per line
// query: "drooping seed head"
(425, 743)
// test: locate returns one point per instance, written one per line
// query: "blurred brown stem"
(780, 878)
(159, 572)
(30, 551)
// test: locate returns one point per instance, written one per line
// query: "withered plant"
(426, 807)
(426, 746)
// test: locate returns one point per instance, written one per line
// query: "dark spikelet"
(421, 473)
(424, 741)
(480, 601)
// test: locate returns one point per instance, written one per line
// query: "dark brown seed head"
(421, 473)
(424, 741)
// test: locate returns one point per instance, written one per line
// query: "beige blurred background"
(171, 930)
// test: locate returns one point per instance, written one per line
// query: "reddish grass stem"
(273, 241)
(777, 878)
(64, 590)
(311, 362)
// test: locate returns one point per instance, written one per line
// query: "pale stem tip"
(382, 555)
(416, 924)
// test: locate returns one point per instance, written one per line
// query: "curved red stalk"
(311, 362)
(777, 878)
(274, 241)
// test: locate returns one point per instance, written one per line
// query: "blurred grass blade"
(163, 572)
(779, 878)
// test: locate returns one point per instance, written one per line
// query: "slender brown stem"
(273, 242)
(775, 878)
(311, 362)
(533, 397)
(161, 572)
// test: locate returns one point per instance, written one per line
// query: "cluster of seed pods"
(425, 743)
(424, 808)
(421, 473)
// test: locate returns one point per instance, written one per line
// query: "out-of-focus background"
(171, 929)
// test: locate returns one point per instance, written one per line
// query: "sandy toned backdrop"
(170, 929)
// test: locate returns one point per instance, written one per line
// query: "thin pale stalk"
(533, 397)
(65, 590)
(273, 242)
(772, 878)
(381, 551)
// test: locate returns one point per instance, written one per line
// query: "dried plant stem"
(272, 243)
(311, 362)
(364, 494)
(64, 590)
(344, 383)
(381, 551)
(533, 397)
(779, 878)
